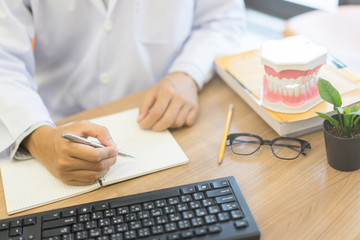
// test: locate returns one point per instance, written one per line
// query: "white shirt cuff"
(17, 151)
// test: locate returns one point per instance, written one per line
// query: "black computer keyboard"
(213, 209)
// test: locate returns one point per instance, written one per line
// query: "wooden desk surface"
(300, 199)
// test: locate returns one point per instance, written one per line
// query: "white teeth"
(290, 91)
(296, 91)
(302, 89)
(297, 86)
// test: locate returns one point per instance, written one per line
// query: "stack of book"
(244, 73)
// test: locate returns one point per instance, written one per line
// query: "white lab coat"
(86, 54)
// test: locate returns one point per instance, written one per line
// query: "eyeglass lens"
(245, 145)
(281, 148)
(286, 148)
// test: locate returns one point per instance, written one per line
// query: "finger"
(146, 105)
(87, 129)
(182, 116)
(192, 116)
(90, 154)
(75, 164)
(82, 177)
(157, 111)
(170, 115)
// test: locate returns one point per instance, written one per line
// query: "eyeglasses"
(283, 147)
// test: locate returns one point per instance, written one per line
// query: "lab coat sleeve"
(217, 31)
(21, 107)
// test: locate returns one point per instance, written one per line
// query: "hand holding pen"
(73, 163)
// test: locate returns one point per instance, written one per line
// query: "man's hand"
(172, 103)
(73, 163)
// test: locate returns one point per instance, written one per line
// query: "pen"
(85, 141)
(226, 131)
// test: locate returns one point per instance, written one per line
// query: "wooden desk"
(299, 199)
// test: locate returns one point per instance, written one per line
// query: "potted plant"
(341, 131)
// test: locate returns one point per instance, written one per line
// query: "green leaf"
(356, 121)
(347, 118)
(355, 109)
(329, 93)
(332, 121)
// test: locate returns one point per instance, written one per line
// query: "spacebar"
(145, 197)
(55, 232)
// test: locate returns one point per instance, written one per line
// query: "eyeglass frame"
(304, 144)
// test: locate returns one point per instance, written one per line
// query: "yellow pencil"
(226, 132)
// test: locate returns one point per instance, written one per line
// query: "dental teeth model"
(291, 75)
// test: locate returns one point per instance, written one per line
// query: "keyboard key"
(4, 226)
(203, 187)
(85, 209)
(81, 235)
(109, 213)
(108, 230)
(187, 234)
(101, 206)
(169, 210)
(123, 210)
(130, 235)
(161, 203)
(194, 205)
(187, 190)
(173, 201)
(148, 222)
(214, 209)
(215, 229)
(225, 199)
(145, 232)
(229, 206)
(223, 217)
(220, 184)
(69, 213)
(174, 236)
(59, 223)
(95, 232)
(29, 221)
(122, 227)
(210, 219)
(198, 196)
(51, 216)
(197, 222)
(184, 224)
(170, 227)
(157, 229)
(186, 198)
(201, 231)
(218, 192)
(200, 212)
(116, 236)
(135, 208)
(240, 224)
(149, 206)
(16, 223)
(55, 232)
(16, 231)
(236, 214)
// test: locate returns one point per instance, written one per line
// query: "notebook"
(28, 184)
